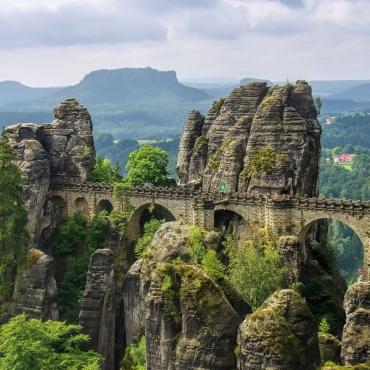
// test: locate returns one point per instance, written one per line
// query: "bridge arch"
(231, 220)
(80, 203)
(349, 221)
(143, 214)
(104, 205)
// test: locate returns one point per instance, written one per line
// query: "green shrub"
(135, 356)
(72, 234)
(97, 232)
(212, 265)
(324, 326)
(197, 249)
(104, 172)
(150, 228)
(263, 161)
(71, 288)
(254, 270)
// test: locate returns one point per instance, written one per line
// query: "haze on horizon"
(52, 43)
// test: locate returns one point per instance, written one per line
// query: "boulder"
(97, 314)
(35, 291)
(190, 322)
(356, 331)
(281, 334)
(329, 348)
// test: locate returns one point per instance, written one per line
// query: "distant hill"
(126, 85)
(14, 92)
(360, 93)
(335, 87)
(219, 90)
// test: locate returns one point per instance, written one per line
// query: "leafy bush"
(135, 356)
(197, 249)
(212, 265)
(33, 344)
(324, 326)
(263, 161)
(80, 240)
(254, 270)
(104, 172)
(97, 232)
(71, 234)
(150, 228)
(71, 288)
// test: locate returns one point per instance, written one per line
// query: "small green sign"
(223, 187)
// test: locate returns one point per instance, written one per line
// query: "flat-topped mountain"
(126, 85)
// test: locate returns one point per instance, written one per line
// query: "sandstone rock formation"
(281, 334)
(97, 315)
(61, 149)
(329, 348)
(189, 320)
(356, 331)
(219, 151)
(35, 291)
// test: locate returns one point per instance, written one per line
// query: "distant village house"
(343, 158)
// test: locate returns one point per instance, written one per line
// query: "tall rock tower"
(259, 139)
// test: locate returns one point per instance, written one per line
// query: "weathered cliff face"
(61, 149)
(35, 291)
(356, 331)
(97, 315)
(226, 150)
(189, 320)
(281, 334)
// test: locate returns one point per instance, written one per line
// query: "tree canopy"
(103, 171)
(28, 344)
(147, 166)
(13, 219)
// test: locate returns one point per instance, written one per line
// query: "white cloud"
(55, 42)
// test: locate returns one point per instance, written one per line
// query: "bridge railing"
(274, 200)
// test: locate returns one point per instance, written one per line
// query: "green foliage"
(329, 365)
(150, 228)
(71, 288)
(318, 104)
(197, 249)
(254, 269)
(170, 287)
(32, 344)
(263, 161)
(86, 151)
(347, 249)
(147, 166)
(71, 234)
(78, 240)
(135, 356)
(212, 265)
(322, 301)
(324, 326)
(104, 172)
(13, 219)
(97, 232)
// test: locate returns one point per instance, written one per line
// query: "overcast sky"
(56, 42)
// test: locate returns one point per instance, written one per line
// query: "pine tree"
(13, 219)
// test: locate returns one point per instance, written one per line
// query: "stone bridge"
(285, 215)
